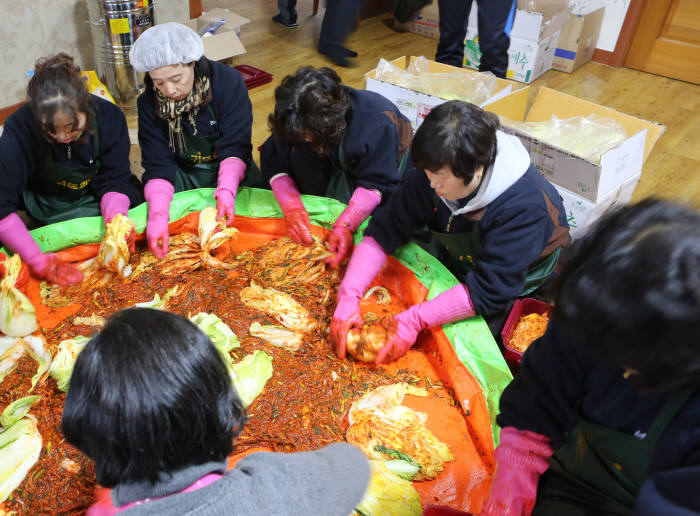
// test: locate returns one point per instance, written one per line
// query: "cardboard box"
(533, 41)
(427, 23)
(225, 43)
(509, 100)
(592, 181)
(581, 212)
(578, 39)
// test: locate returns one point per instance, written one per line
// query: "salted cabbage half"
(217, 330)
(388, 494)
(250, 375)
(20, 446)
(17, 314)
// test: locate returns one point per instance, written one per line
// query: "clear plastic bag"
(474, 87)
(554, 12)
(588, 137)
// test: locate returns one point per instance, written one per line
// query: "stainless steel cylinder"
(121, 23)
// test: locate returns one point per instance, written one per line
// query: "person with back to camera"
(604, 417)
(496, 224)
(195, 123)
(151, 402)
(63, 155)
(335, 141)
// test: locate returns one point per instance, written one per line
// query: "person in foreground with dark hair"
(63, 155)
(496, 223)
(334, 141)
(150, 401)
(195, 123)
(604, 417)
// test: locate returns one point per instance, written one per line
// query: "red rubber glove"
(367, 260)
(159, 195)
(295, 215)
(231, 172)
(54, 270)
(362, 203)
(521, 457)
(452, 305)
(14, 234)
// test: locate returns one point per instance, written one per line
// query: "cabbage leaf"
(250, 375)
(20, 446)
(217, 330)
(17, 410)
(389, 494)
(64, 361)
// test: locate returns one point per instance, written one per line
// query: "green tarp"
(471, 339)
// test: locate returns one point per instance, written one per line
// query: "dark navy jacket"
(523, 224)
(377, 136)
(560, 381)
(23, 147)
(234, 118)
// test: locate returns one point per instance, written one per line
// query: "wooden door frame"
(617, 57)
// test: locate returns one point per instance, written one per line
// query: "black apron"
(198, 163)
(462, 249)
(341, 184)
(600, 471)
(56, 192)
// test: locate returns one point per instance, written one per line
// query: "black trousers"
(338, 23)
(287, 10)
(495, 19)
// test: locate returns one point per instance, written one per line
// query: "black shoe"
(291, 25)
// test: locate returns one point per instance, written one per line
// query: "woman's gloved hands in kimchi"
(450, 306)
(361, 205)
(231, 172)
(115, 203)
(46, 266)
(295, 215)
(367, 260)
(521, 458)
(159, 195)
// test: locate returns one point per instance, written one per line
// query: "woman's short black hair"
(57, 85)
(150, 394)
(631, 292)
(459, 135)
(311, 102)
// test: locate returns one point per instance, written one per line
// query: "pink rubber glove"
(367, 260)
(113, 203)
(361, 205)
(295, 215)
(521, 457)
(452, 305)
(46, 266)
(159, 195)
(231, 172)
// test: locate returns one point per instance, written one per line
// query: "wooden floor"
(672, 170)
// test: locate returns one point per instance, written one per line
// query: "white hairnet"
(164, 45)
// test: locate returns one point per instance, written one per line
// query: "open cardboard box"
(225, 43)
(592, 181)
(578, 39)
(509, 100)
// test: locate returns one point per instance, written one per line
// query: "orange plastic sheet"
(464, 422)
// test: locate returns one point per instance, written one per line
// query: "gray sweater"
(330, 481)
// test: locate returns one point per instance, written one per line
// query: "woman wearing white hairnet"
(195, 121)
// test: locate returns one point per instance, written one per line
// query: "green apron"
(56, 192)
(198, 163)
(342, 182)
(600, 471)
(462, 248)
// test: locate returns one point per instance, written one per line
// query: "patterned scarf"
(173, 111)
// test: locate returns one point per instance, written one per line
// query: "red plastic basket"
(521, 307)
(253, 77)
